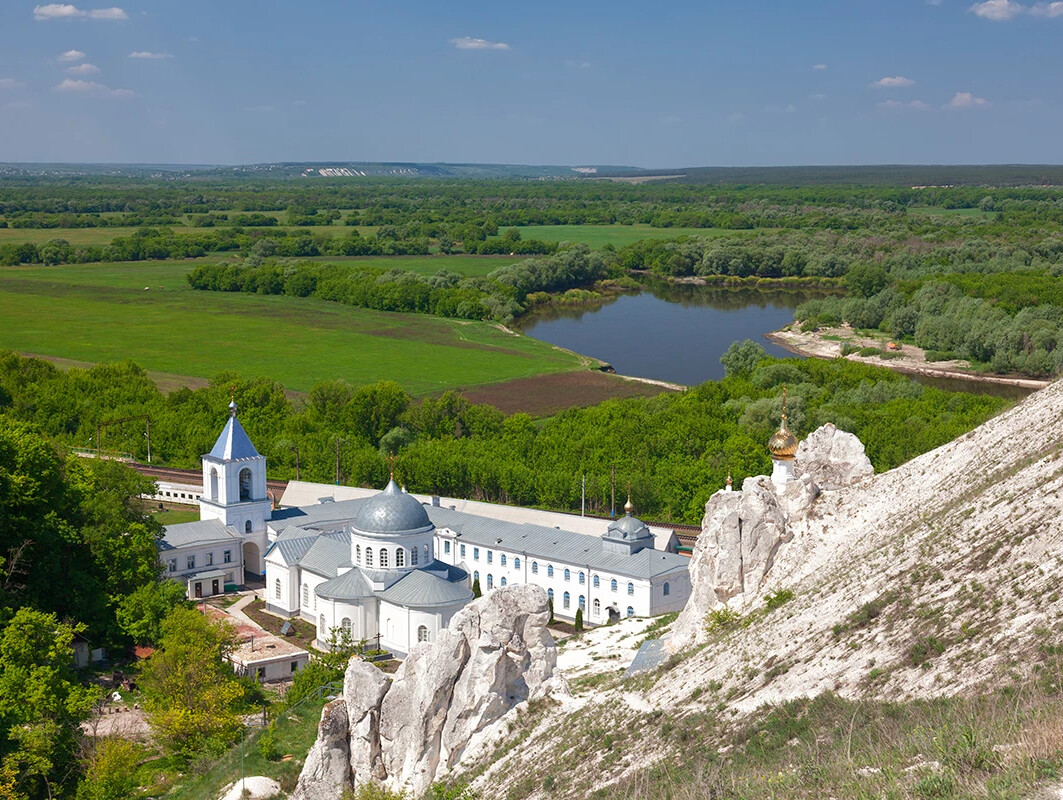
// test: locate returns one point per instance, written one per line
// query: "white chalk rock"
(326, 773)
(834, 459)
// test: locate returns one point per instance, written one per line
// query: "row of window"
(384, 556)
(190, 561)
(345, 625)
(566, 602)
(567, 598)
(582, 577)
(180, 495)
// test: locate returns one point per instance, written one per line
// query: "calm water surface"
(667, 332)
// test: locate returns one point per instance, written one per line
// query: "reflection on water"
(668, 332)
(677, 332)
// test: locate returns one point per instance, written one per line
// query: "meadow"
(146, 312)
(597, 236)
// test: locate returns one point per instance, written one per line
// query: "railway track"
(687, 534)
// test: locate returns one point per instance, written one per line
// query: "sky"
(648, 84)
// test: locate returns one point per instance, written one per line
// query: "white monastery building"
(393, 565)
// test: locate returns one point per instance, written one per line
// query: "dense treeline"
(499, 296)
(674, 449)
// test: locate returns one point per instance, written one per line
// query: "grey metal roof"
(327, 553)
(421, 589)
(392, 511)
(629, 529)
(552, 545)
(535, 541)
(201, 531)
(351, 585)
(233, 444)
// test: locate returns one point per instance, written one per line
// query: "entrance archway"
(252, 560)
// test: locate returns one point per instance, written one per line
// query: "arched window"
(369, 557)
(630, 611)
(596, 581)
(247, 527)
(502, 582)
(566, 600)
(306, 595)
(427, 553)
(422, 634)
(550, 593)
(490, 581)
(245, 485)
(612, 584)
(535, 568)
(582, 579)
(583, 603)
(413, 556)
(631, 588)
(475, 577)
(358, 554)
(502, 559)
(568, 574)
(321, 626)
(383, 558)
(277, 589)
(516, 563)
(346, 625)
(549, 570)
(213, 483)
(400, 557)
(313, 598)
(667, 589)
(597, 608)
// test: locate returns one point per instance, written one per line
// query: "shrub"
(777, 599)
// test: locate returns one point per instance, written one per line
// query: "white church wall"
(207, 556)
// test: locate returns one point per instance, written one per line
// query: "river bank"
(830, 343)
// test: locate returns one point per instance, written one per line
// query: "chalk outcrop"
(832, 458)
(407, 732)
(742, 532)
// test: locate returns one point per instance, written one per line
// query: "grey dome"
(392, 511)
(629, 529)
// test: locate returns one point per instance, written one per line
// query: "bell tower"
(234, 490)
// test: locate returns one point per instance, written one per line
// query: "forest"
(674, 450)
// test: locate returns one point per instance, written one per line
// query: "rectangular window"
(476, 554)
(210, 558)
(295, 666)
(227, 557)
(490, 557)
(173, 565)
(463, 551)
(191, 562)
(446, 548)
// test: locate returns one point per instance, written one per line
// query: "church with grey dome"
(393, 568)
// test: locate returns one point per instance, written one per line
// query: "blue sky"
(647, 84)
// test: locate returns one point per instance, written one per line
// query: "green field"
(472, 266)
(102, 312)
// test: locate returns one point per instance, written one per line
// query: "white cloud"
(817, 96)
(578, 64)
(1047, 10)
(819, 66)
(147, 54)
(83, 69)
(897, 105)
(896, 82)
(51, 11)
(71, 55)
(967, 100)
(997, 10)
(10, 83)
(469, 43)
(92, 88)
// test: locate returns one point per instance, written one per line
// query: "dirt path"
(828, 343)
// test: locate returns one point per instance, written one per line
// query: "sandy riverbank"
(828, 343)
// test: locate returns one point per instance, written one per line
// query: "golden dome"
(629, 506)
(783, 444)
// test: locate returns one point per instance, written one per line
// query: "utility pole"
(338, 460)
(296, 449)
(583, 497)
(147, 435)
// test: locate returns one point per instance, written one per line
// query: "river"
(677, 332)
(668, 332)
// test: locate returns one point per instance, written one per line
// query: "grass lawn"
(617, 235)
(100, 313)
(173, 517)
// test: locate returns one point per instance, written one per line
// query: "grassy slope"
(102, 313)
